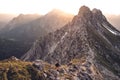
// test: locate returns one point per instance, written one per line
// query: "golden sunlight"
(43, 6)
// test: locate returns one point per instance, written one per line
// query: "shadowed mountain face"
(12, 29)
(89, 36)
(10, 42)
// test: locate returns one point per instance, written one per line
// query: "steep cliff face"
(89, 36)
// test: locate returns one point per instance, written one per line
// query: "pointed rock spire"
(85, 12)
(98, 14)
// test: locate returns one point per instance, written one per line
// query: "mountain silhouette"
(20, 33)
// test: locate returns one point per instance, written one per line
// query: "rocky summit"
(88, 39)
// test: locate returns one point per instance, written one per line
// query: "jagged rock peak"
(85, 15)
(98, 14)
(97, 11)
(84, 11)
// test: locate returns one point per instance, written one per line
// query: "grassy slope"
(17, 70)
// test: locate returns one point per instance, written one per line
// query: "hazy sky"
(43, 6)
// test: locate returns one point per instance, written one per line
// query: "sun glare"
(44, 6)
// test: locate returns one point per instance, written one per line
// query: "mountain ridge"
(88, 35)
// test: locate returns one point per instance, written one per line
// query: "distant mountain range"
(13, 29)
(33, 26)
(25, 29)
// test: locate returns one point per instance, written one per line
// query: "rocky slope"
(89, 36)
(15, 69)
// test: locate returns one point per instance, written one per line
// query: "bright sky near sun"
(44, 6)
